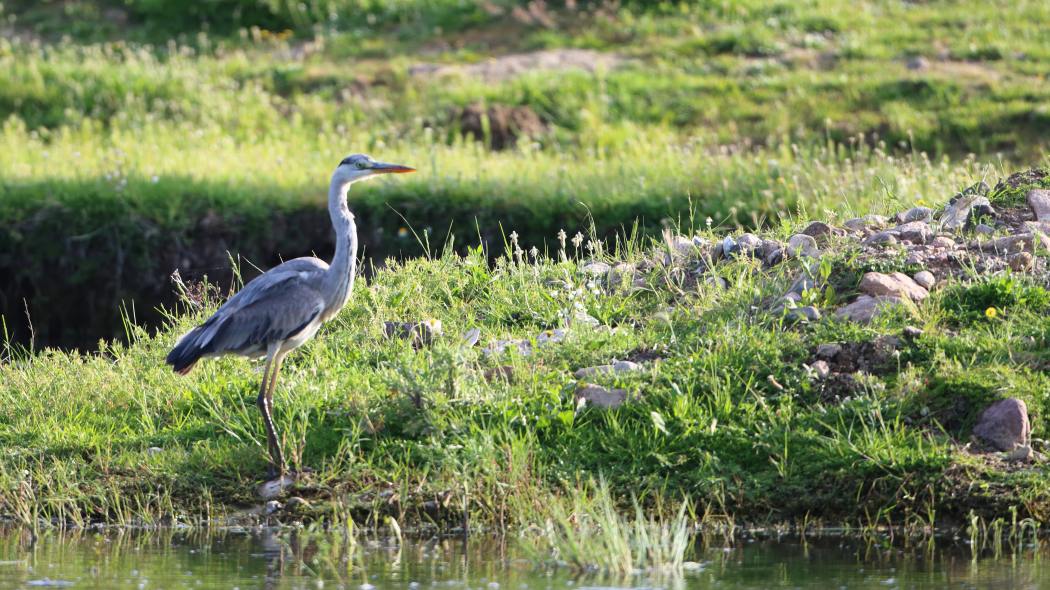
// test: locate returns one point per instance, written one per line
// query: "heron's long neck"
(340, 277)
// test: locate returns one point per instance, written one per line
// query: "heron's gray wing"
(273, 307)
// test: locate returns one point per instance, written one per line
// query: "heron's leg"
(265, 402)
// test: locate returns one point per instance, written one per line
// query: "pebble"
(1004, 424)
(984, 229)
(275, 487)
(915, 214)
(963, 210)
(912, 332)
(942, 242)
(616, 367)
(421, 333)
(866, 222)
(818, 230)
(1011, 244)
(802, 245)
(925, 279)
(1039, 201)
(1020, 262)
(916, 232)
(828, 350)
(271, 507)
(749, 244)
(895, 284)
(806, 313)
(865, 308)
(821, 369)
(1022, 453)
(598, 269)
(882, 238)
(602, 397)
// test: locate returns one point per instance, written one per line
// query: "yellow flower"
(990, 313)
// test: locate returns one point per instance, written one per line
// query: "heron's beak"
(384, 168)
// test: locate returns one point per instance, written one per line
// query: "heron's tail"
(188, 350)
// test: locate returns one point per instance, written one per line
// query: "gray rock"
(749, 244)
(1020, 262)
(818, 230)
(470, 337)
(866, 222)
(275, 487)
(896, 284)
(916, 232)
(925, 279)
(420, 333)
(1004, 424)
(729, 246)
(821, 369)
(295, 503)
(1025, 242)
(912, 332)
(1039, 201)
(620, 275)
(154, 451)
(772, 252)
(806, 313)
(882, 238)
(829, 350)
(802, 245)
(924, 214)
(942, 242)
(271, 507)
(984, 229)
(802, 284)
(616, 367)
(1022, 454)
(964, 210)
(598, 269)
(917, 63)
(865, 308)
(602, 397)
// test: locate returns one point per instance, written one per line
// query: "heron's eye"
(361, 164)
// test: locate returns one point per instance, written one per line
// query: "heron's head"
(360, 166)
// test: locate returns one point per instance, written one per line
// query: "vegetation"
(134, 143)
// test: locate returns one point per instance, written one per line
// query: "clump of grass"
(989, 298)
(589, 532)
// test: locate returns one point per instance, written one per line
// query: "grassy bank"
(723, 412)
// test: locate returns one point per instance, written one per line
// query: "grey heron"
(284, 307)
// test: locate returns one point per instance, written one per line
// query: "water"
(243, 559)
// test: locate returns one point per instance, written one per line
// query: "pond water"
(256, 558)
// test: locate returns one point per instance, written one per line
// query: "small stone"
(866, 222)
(911, 332)
(598, 269)
(470, 337)
(729, 246)
(818, 230)
(421, 333)
(1039, 201)
(749, 244)
(802, 284)
(602, 397)
(616, 367)
(802, 245)
(964, 210)
(882, 238)
(915, 258)
(865, 308)
(916, 232)
(806, 313)
(943, 242)
(917, 63)
(154, 451)
(271, 507)
(1017, 243)
(924, 214)
(1022, 453)
(984, 229)
(499, 346)
(821, 369)
(1004, 424)
(620, 275)
(1020, 262)
(296, 503)
(894, 285)
(275, 487)
(828, 350)
(925, 279)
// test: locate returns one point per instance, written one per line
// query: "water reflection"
(285, 558)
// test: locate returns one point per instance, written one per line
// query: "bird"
(281, 309)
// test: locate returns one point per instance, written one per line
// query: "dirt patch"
(509, 66)
(500, 126)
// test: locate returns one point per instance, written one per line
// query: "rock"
(421, 333)
(821, 369)
(616, 367)
(1022, 453)
(749, 244)
(681, 247)
(1037, 227)
(802, 245)
(729, 246)
(1020, 262)
(276, 487)
(552, 336)
(828, 350)
(1012, 244)
(1039, 201)
(801, 284)
(818, 230)
(602, 397)
(984, 229)
(866, 222)
(866, 307)
(772, 252)
(501, 373)
(620, 275)
(597, 269)
(882, 238)
(964, 210)
(917, 63)
(806, 313)
(499, 346)
(718, 283)
(925, 279)
(911, 332)
(916, 232)
(924, 214)
(470, 337)
(894, 285)
(271, 507)
(942, 242)
(915, 258)
(500, 125)
(154, 451)
(1004, 424)
(296, 503)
